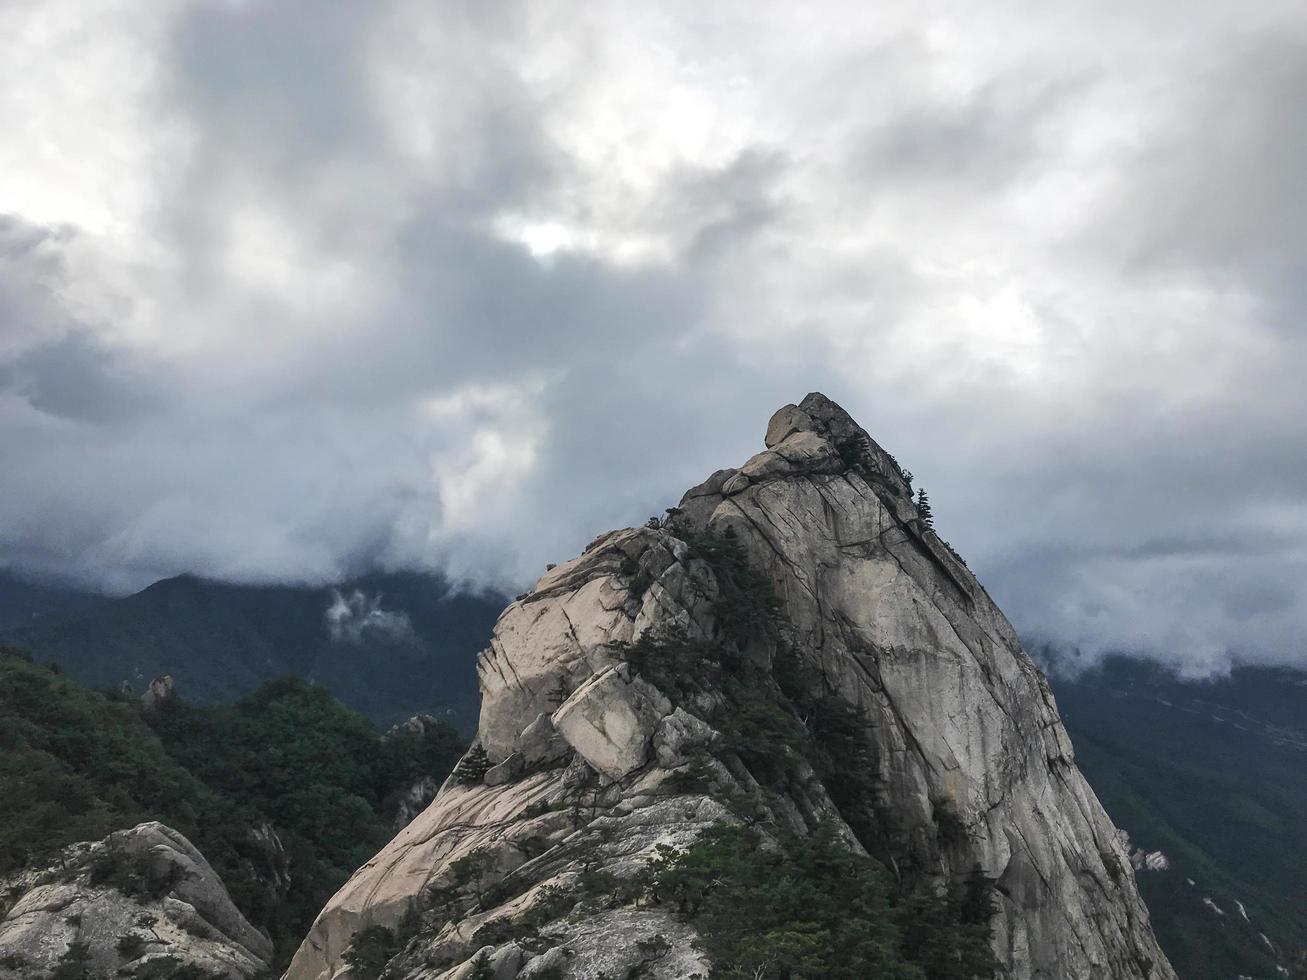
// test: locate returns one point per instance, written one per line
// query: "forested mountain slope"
(285, 792)
(388, 645)
(1213, 774)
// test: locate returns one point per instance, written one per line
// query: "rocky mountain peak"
(792, 648)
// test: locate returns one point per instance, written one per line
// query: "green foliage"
(370, 951)
(746, 610)
(538, 809)
(474, 872)
(773, 721)
(77, 764)
(924, 513)
(73, 963)
(473, 766)
(170, 968)
(949, 825)
(953, 551)
(552, 903)
(112, 868)
(318, 772)
(407, 755)
(813, 908)
(1223, 801)
(130, 945)
(949, 935)
(221, 641)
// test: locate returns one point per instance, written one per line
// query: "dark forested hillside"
(389, 645)
(26, 603)
(1212, 773)
(285, 792)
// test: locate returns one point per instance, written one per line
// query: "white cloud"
(355, 615)
(290, 291)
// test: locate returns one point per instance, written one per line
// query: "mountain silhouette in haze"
(388, 644)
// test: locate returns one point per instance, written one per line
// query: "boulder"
(738, 483)
(610, 720)
(148, 882)
(159, 691)
(508, 771)
(678, 734)
(540, 744)
(787, 420)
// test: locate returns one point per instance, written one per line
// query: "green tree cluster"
(77, 764)
(812, 909)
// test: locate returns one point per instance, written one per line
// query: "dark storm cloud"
(78, 378)
(463, 286)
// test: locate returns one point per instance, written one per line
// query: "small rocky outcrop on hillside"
(161, 689)
(417, 796)
(140, 903)
(648, 692)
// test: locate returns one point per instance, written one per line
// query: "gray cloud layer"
(292, 290)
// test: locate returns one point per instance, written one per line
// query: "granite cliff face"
(589, 758)
(141, 902)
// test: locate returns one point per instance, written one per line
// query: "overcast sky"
(290, 290)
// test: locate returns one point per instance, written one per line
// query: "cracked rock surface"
(179, 912)
(972, 763)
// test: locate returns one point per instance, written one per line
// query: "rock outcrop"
(141, 902)
(418, 795)
(594, 765)
(161, 689)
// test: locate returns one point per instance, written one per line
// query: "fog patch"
(355, 616)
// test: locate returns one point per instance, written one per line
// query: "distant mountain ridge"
(1212, 773)
(390, 645)
(24, 603)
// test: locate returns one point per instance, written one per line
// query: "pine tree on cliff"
(473, 766)
(923, 509)
(482, 970)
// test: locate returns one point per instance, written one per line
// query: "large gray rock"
(506, 771)
(148, 883)
(787, 421)
(610, 720)
(161, 689)
(540, 744)
(678, 735)
(972, 761)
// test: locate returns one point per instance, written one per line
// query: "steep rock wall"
(973, 765)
